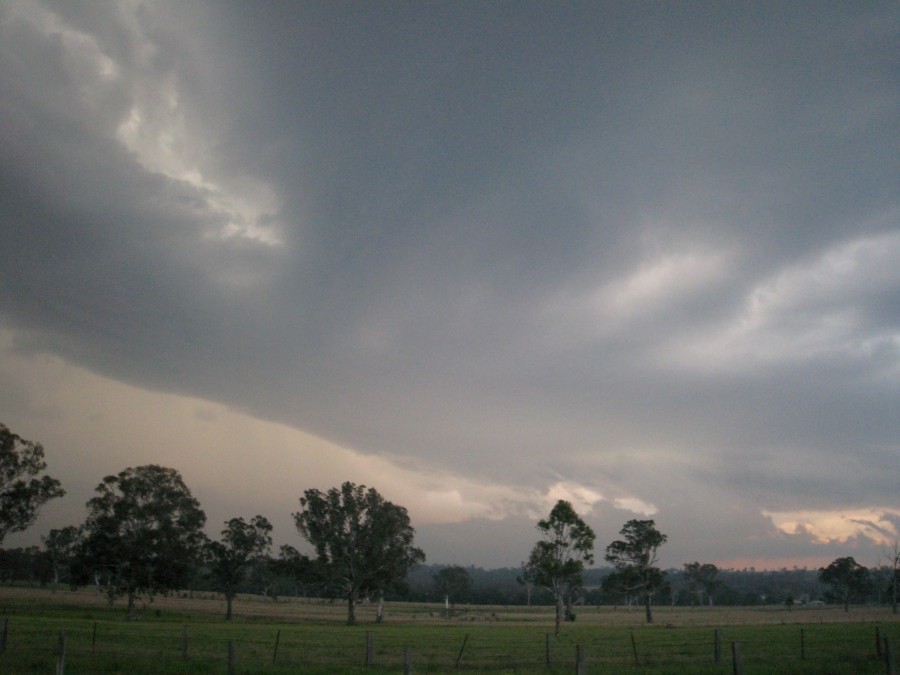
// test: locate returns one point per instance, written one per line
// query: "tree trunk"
(894, 594)
(648, 612)
(559, 611)
(351, 608)
(130, 613)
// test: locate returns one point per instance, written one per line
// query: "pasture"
(181, 635)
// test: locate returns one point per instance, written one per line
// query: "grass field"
(179, 635)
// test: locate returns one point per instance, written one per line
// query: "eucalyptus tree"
(63, 547)
(143, 533)
(634, 558)
(242, 546)
(363, 543)
(847, 579)
(557, 560)
(453, 584)
(23, 488)
(702, 579)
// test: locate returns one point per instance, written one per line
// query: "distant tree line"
(143, 536)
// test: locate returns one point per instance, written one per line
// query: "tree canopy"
(242, 545)
(846, 577)
(363, 543)
(634, 558)
(702, 579)
(143, 532)
(64, 550)
(557, 561)
(23, 490)
(453, 583)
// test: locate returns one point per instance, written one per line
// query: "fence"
(84, 647)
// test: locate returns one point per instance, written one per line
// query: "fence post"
(802, 645)
(370, 648)
(184, 642)
(61, 654)
(579, 660)
(459, 656)
(736, 658)
(407, 661)
(275, 651)
(547, 653)
(878, 651)
(4, 633)
(637, 661)
(717, 646)
(94, 639)
(889, 656)
(232, 658)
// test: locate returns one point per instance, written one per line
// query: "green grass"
(312, 638)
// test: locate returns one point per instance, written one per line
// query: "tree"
(292, 569)
(526, 579)
(452, 583)
(557, 561)
(143, 532)
(63, 546)
(22, 490)
(702, 579)
(243, 544)
(894, 558)
(634, 558)
(846, 577)
(363, 543)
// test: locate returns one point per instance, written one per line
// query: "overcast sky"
(478, 255)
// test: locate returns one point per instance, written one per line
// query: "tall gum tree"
(230, 559)
(847, 579)
(634, 558)
(23, 490)
(363, 543)
(557, 561)
(143, 533)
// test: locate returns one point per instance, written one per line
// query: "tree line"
(143, 535)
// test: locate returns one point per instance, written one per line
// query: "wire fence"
(82, 646)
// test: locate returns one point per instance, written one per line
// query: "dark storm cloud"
(523, 242)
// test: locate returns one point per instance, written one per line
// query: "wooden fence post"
(370, 648)
(94, 639)
(717, 646)
(459, 656)
(637, 661)
(232, 658)
(579, 660)
(407, 661)
(878, 651)
(547, 653)
(184, 642)
(889, 657)
(736, 658)
(4, 633)
(802, 645)
(61, 654)
(275, 651)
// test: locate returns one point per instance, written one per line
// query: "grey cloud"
(453, 191)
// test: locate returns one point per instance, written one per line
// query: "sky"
(478, 255)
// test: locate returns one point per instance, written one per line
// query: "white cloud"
(658, 286)
(810, 310)
(839, 525)
(164, 133)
